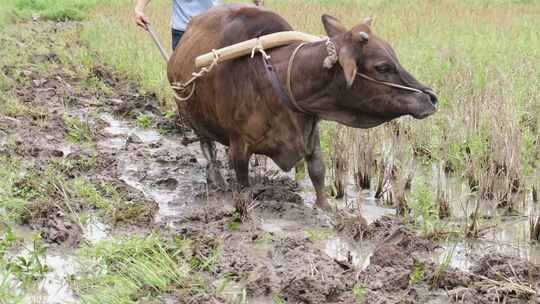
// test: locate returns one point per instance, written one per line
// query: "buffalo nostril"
(432, 97)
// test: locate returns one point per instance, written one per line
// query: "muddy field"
(96, 160)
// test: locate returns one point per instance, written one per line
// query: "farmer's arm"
(140, 17)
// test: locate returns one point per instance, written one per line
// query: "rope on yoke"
(259, 48)
(332, 57)
(182, 87)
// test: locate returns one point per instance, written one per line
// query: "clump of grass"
(12, 107)
(364, 157)
(19, 273)
(339, 159)
(13, 198)
(110, 203)
(243, 204)
(266, 239)
(319, 235)
(26, 268)
(278, 299)
(443, 266)
(134, 55)
(132, 270)
(424, 209)
(78, 131)
(534, 227)
(25, 197)
(300, 171)
(10, 292)
(144, 121)
(417, 274)
(442, 196)
(52, 10)
(359, 293)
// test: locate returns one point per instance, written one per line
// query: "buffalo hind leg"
(317, 171)
(213, 176)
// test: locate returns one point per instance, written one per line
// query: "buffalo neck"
(312, 84)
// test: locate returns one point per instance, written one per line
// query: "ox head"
(365, 102)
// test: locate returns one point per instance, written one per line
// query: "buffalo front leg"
(317, 171)
(239, 156)
(213, 176)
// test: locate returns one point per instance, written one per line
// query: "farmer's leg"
(176, 37)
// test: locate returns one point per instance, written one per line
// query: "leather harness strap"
(286, 98)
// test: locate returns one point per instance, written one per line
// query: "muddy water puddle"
(510, 237)
(54, 288)
(500, 233)
(162, 168)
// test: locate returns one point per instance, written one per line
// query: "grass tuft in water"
(132, 270)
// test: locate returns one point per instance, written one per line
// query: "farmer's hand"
(141, 19)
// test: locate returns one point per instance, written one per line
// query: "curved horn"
(367, 21)
(360, 37)
(364, 36)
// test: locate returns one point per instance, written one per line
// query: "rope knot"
(332, 57)
(181, 87)
(259, 48)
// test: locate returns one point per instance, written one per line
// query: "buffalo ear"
(332, 26)
(347, 60)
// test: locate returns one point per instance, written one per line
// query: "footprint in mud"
(168, 183)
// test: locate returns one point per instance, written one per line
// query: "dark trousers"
(176, 36)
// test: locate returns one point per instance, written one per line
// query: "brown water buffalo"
(237, 105)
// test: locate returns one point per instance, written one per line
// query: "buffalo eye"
(385, 68)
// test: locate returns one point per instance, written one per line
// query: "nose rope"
(390, 84)
(333, 58)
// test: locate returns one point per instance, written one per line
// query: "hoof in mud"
(244, 203)
(324, 205)
(353, 224)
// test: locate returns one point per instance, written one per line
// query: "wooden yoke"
(246, 47)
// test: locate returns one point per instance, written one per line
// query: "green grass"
(424, 208)
(63, 10)
(359, 293)
(78, 131)
(13, 199)
(19, 273)
(417, 274)
(319, 235)
(6, 13)
(23, 196)
(109, 203)
(144, 121)
(133, 270)
(443, 265)
(134, 54)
